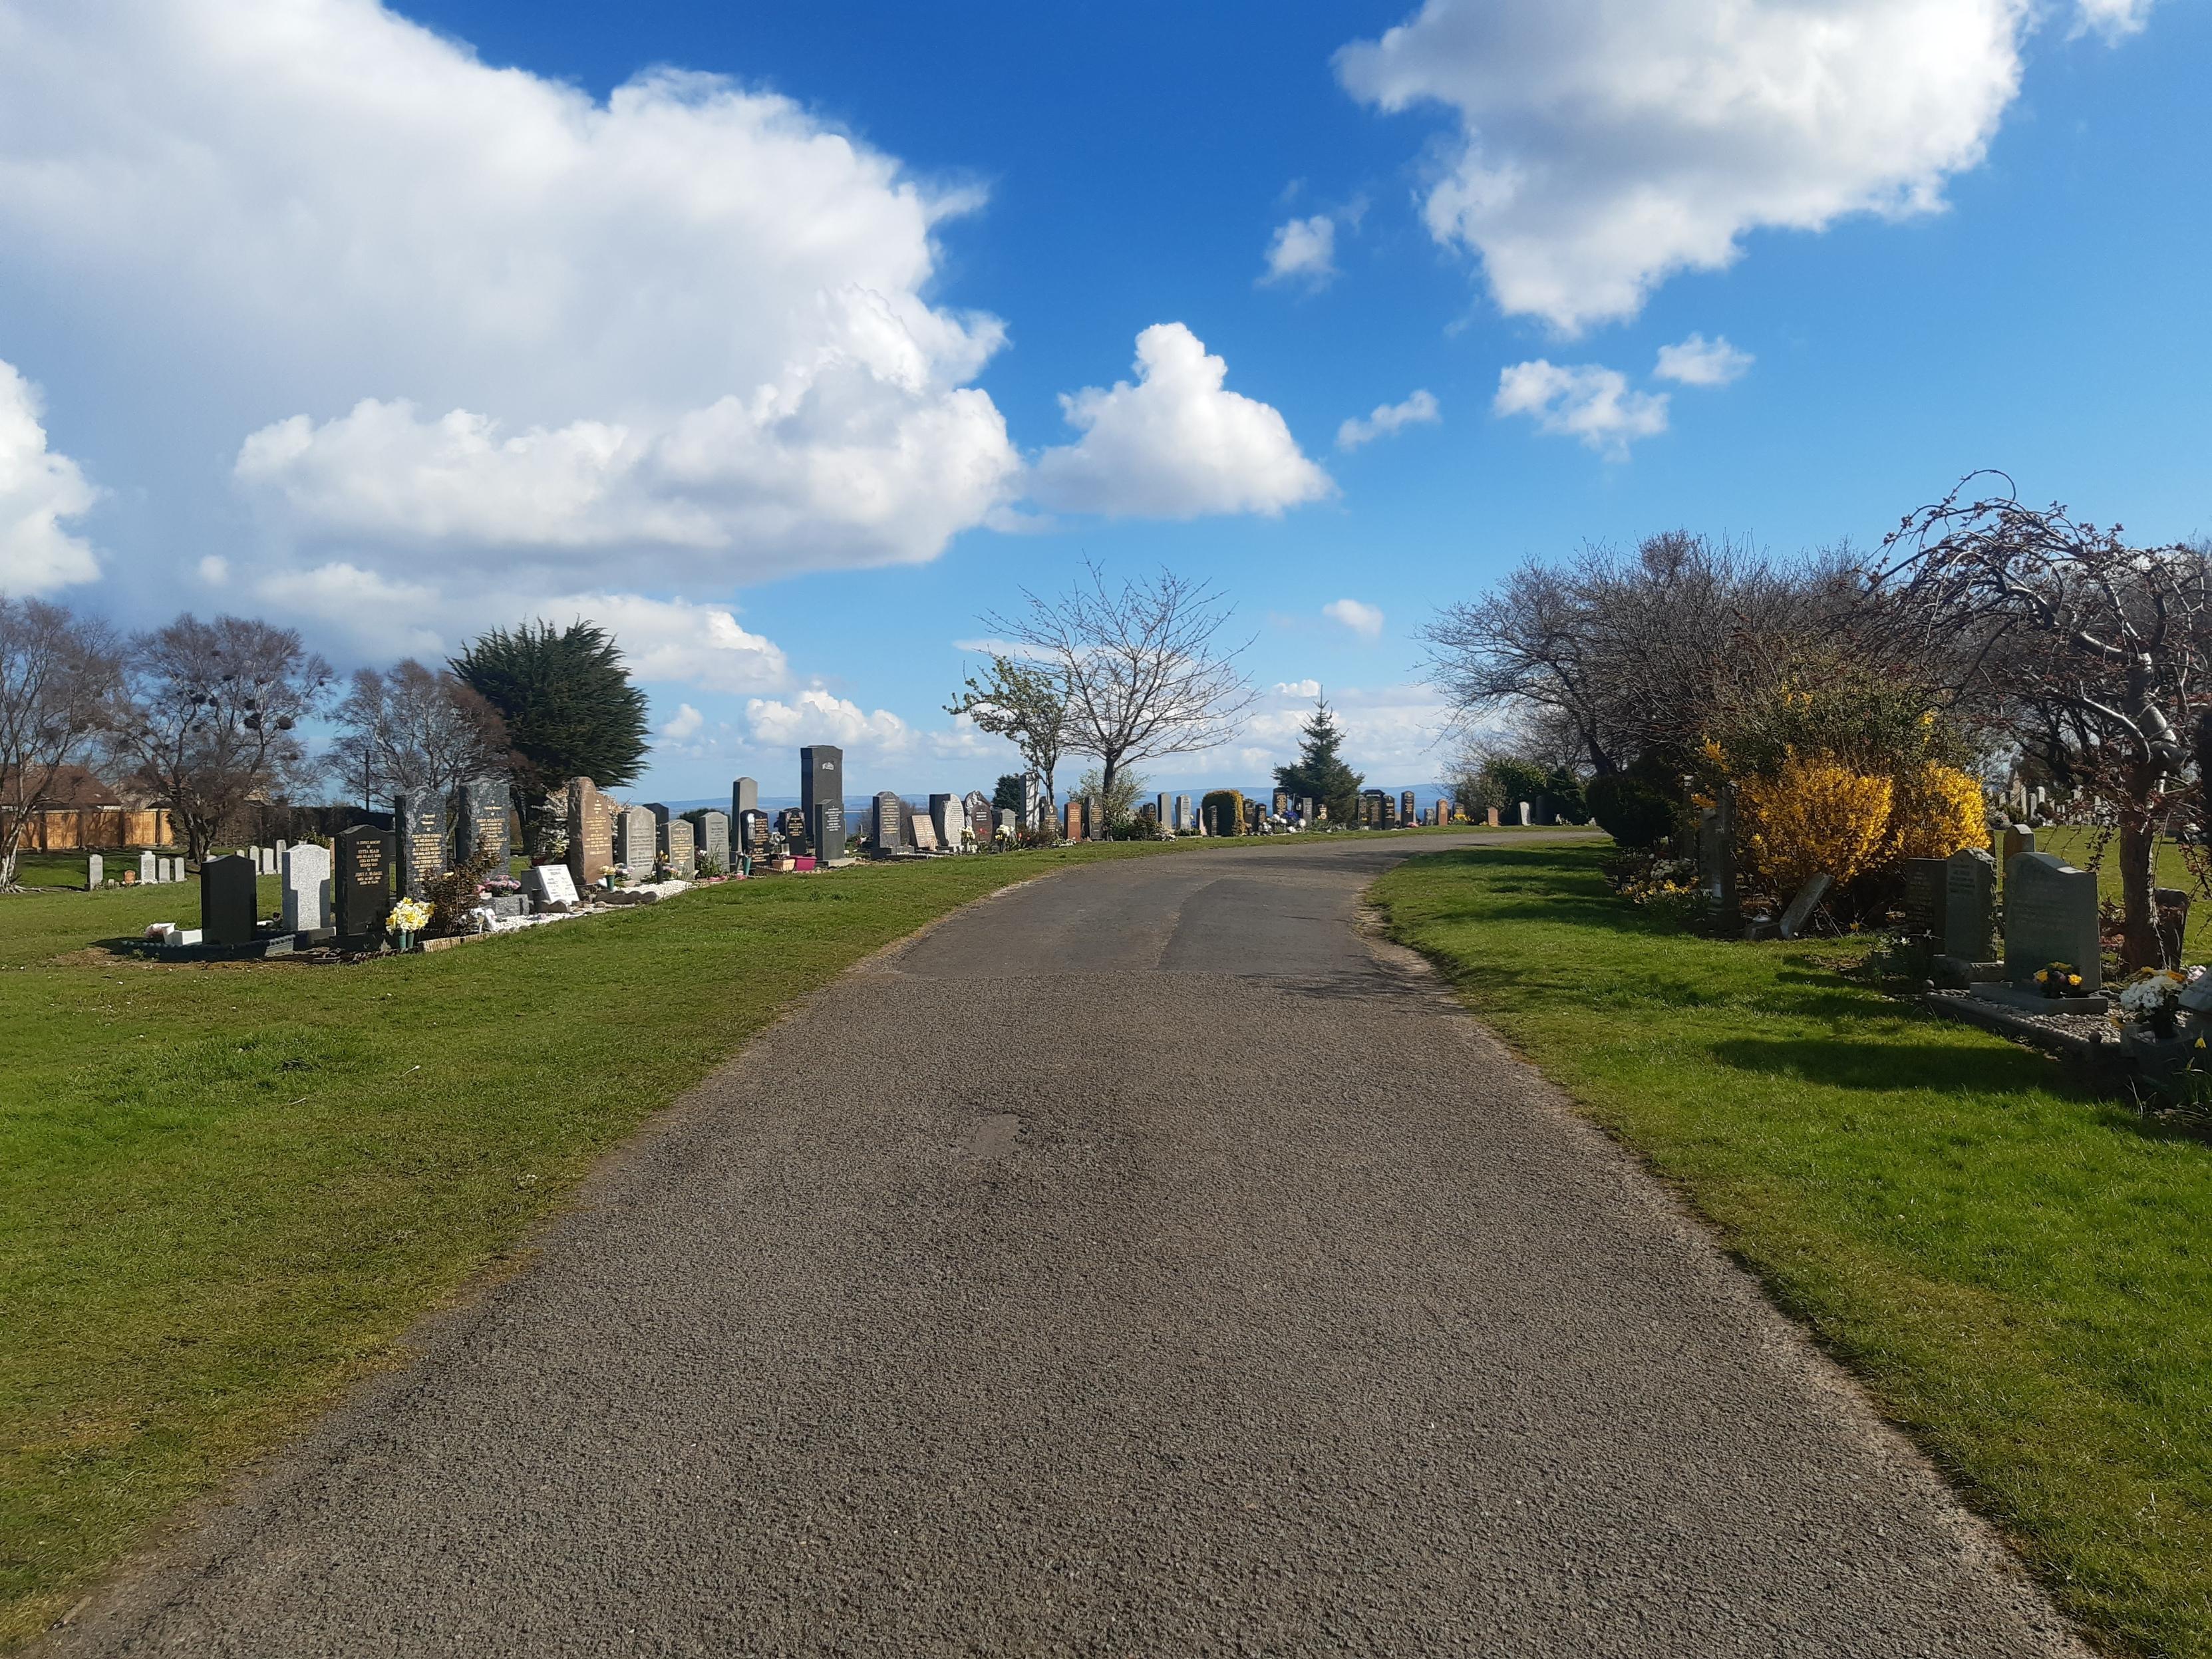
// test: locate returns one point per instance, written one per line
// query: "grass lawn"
(2078, 847)
(2022, 1274)
(226, 1190)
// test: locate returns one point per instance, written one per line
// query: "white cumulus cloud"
(1177, 444)
(677, 641)
(473, 326)
(2115, 20)
(1302, 249)
(818, 715)
(1583, 401)
(38, 489)
(1419, 409)
(1699, 361)
(1605, 145)
(683, 724)
(1364, 620)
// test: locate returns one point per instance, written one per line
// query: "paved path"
(1136, 1265)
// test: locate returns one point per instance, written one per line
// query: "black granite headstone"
(421, 823)
(484, 826)
(825, 828)
(821, 780)
(228, 900)
(360, 891)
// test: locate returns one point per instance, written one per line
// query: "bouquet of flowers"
(2057, 979)
(2153, 996)
(408, 918)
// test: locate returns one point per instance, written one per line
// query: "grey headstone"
(1800, 908)
(637, 841)
(944, 818)
(306, 877)
(1032, 802)
(95, 872)
(2050, 915)
(229, 890)
(890, 834)
(1005, 819)
(710, 834)
(174, 869)
(744, 797)
(1182, 815)
(360, 886)
(1164, 813)
(1094, 818)
(683, 849)
(1970, 893)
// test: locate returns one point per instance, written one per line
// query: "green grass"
(2021, 1273)
(227, 1191)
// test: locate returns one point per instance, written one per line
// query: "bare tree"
(208, 715)
(1024, 704)
(414, 730)
(2097, 656)
(56, 673)
(1146, 670)
(1624, 656)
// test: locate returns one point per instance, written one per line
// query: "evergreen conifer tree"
(1320, 770)
(570, 707)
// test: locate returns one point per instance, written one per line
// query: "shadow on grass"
(1862, 1062)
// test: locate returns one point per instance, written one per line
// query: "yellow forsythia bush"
(1814, 817)
(1938, 809)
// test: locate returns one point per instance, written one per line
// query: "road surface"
(1138, 1263)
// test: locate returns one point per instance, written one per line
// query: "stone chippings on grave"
(2050, 915)
(360, 886)
(1970, 891)
(306, 878)
(682, 850)
(591, 832)
(420, 822)
(227, 899)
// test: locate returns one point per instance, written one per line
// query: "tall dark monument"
(822, 786)
(228, 901)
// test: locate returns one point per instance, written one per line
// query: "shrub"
(1937, 811)
(1814, 817)
(1222, 812)
(457, 892)
(1633, 812)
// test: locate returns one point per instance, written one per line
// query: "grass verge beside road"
(2021, 1273)
(228, 1190)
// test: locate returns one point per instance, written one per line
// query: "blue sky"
(392, 332)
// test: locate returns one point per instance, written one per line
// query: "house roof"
(73, 787)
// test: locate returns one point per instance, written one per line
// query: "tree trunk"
(2139, 943)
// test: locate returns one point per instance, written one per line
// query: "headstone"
(149, 869)
(95, 872)
(682, 850)
(944, 818)
(1006, 820)
(1405, 806)
(792, 826)
(2050, 915)
(306, 877)
(1094, 818)
(361, 889)
(2011, 844)
(591, 832)
(419, 820)
(174, 869)
(890, 835)
(1490, 816)
(2170, 905)
(228, 889)
(637, 841)
(821, 781)
(1032, 803)
(1071, 822)
(1926, 883)
(744, 797)
(980, 818)
(1970, 893)
(1800, 909)
(825, 828)
(751, 832)
(924, 830)
(482, 828)
(1182, 815)
(1527, 814)
(549, 884)
(710, 835)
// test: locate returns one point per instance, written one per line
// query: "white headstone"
(95, 872)
(550, 884)
(149, 869)
(307, 888)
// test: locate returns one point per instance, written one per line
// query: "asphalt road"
(1137, 1264)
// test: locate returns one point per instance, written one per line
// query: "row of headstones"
(948, 824)
(2050, 910)
(155, 869)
